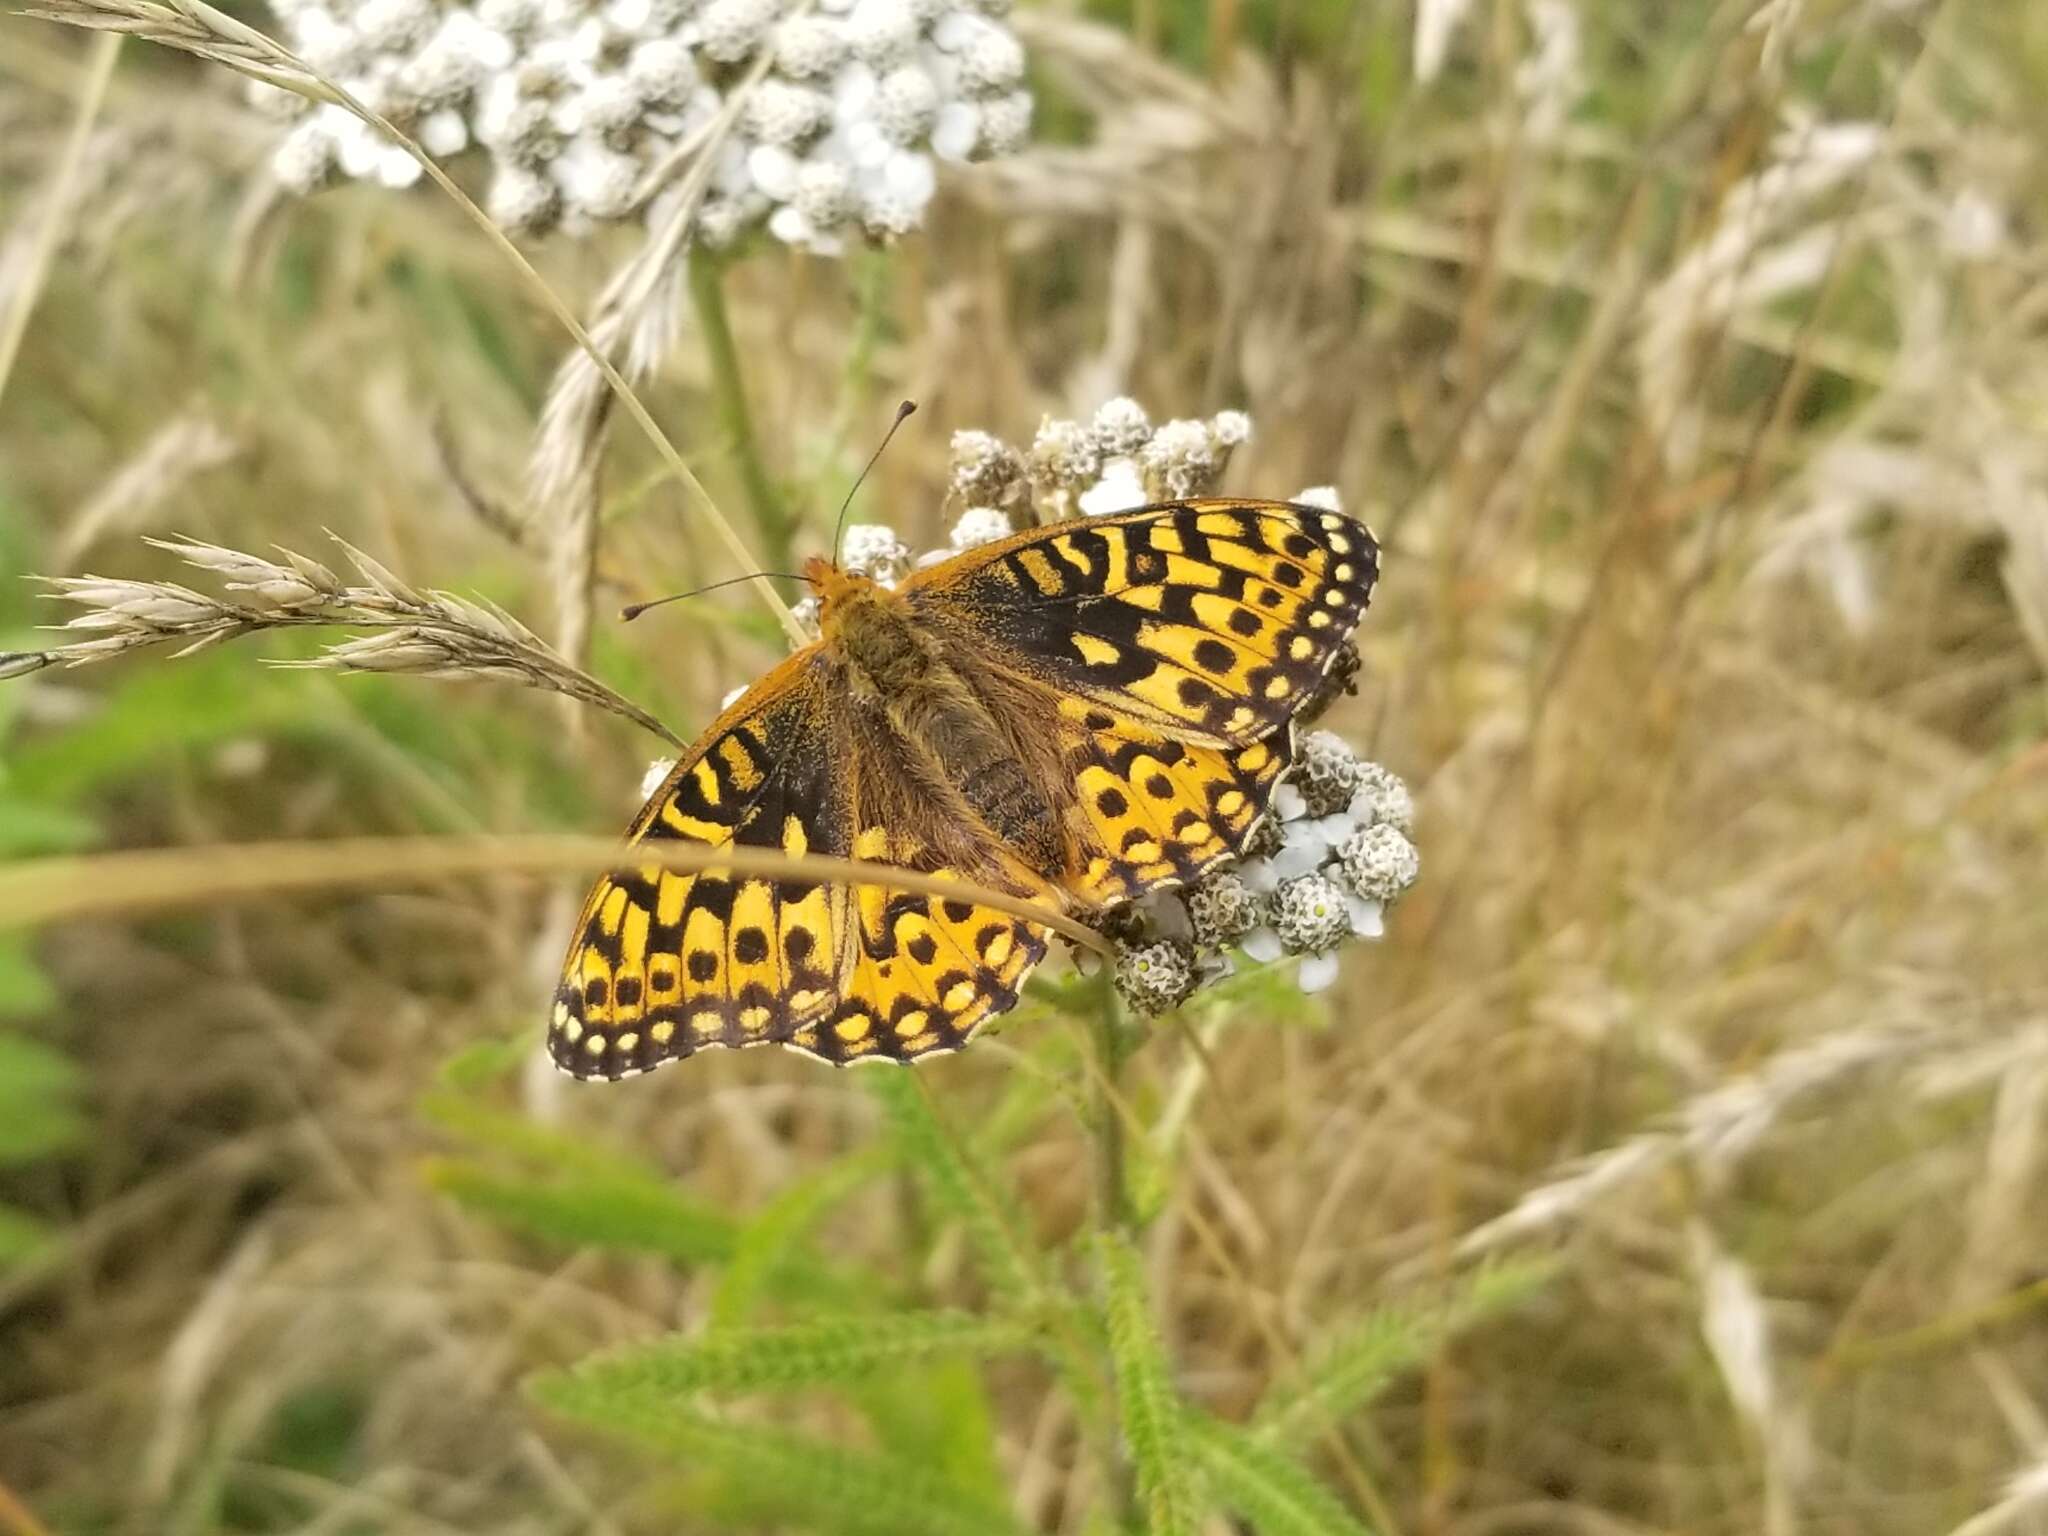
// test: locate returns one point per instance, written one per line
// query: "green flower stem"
(1113, 1212)
(771, 516)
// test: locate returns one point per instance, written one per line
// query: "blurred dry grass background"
(1692, 360)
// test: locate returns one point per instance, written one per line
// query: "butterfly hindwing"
(1210, 620)
(668, 962)
(1160, 812)
(665, 962)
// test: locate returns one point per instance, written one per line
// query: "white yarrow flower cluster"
(580, 103)
(1335, 848)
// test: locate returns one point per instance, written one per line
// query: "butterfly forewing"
(1211, 620)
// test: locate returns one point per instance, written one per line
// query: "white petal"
(790, 226)
(655, 776)
(773, 170)
(1259, 876)
(1293, 863)
(1167, 915)
(1118, 490)
(1262, 944)
(1288, 803)
(957, 130)
(444, 133)
(853, 94)
(1317, 971)
(397, 168)
(911, 177)
(1366, 919)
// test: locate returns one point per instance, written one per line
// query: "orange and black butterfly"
(1078, 714)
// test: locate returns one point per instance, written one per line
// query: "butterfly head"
(841, 594)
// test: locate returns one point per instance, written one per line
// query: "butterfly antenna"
(902, 415)
(633, 611)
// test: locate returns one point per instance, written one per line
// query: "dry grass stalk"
(426, 633)
(188, 446)
(64, 185)
(1715, 1131)
(34, 892)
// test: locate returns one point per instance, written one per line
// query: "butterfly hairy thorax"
(1078, 714)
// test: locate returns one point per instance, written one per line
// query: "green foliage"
(21, 1235)
(835, 1350)
(1350, 1370)
(1275, 1495)
(39, 1118)
(581, 1209)
(767, 1244)
(1149, 1409)
(813, 1483)
(942, 1415)
(962, 1187)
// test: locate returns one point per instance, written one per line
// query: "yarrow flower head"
(584, 106)
(1334, 850)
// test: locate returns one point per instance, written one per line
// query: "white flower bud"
(512, 17)
(305, 160)
(394, 26)
(1006, 122)
(522, 199)
(597, 180)
(986, 470)
(1223, 909)
(610, 105)
(732, 29)
(1155, 978)
(1120, 427)
(873, 550)
(980, 525)
(1326, 771)
(825, 194)
(719, 222)
(882, 32)
(1379, 863)
(1230, 429)
(1065, 454)
(1180, 460)
(665, 70)
(787, 115)
(809, 47)
(1310, 914)
(906, 101)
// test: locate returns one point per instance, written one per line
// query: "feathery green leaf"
(767, 1243)
(580, 1209)
(817, 1485)
(1148, 1407)
(962, 1186)
(840, 1349)
(1275, 1495)
(1354, 1367)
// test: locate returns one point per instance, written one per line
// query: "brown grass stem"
(55, 890)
